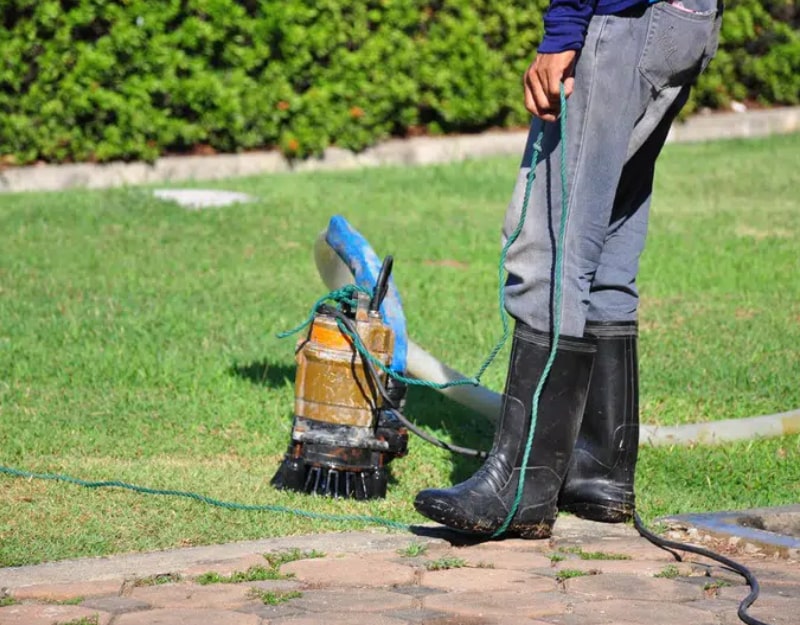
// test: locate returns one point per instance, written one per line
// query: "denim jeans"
(631, 80)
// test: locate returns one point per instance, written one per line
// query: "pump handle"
(382, 284)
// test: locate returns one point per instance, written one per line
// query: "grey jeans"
(631, 80)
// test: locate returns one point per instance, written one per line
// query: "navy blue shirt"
(566, 21)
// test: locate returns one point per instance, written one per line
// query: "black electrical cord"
(741, 569)
(347, 322)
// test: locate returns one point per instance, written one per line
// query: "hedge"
(101, 80)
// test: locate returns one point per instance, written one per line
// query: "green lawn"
(137, 340)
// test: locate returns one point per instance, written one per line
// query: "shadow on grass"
(433, 411)
(265, 373)
(424, 406)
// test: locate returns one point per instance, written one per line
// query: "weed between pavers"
(253, 574)
(157, 580)
(566, 574)
(84, 620)
(712, 588)
(7, 600)
(668, 572)
(261, 573)
(73, 601)
(274, 597)
(593, 555)
(413, 550)
(444, 563)
(278, 558)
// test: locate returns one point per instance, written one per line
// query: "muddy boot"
(481, 504)
(599, 483)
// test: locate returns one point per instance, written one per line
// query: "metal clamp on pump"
(347, 427)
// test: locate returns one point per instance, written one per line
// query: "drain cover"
(775, 529)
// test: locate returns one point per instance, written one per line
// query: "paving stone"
(517, 545)
(66, 591)
(482, 620)
(623, 567)
(521, 603)
(733, 593)
(636, 549)
(418, 615)
(478, 580)
(188, 595)
(187, 616)
(115, 605)
(717, 606)
(275, 585)
(31, 614)
(503, 558)
(417, 591)
(198, 199)
(772, 614)
(628, 587)
(337, 619)
(351, 571)
(353, 600)
(225, 567)
(271, 612)
(618, 611)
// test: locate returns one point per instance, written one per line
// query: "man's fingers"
(539, 96)
(569, 86)
(530, 104)
(552, 82)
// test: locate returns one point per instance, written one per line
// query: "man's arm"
(565, 24)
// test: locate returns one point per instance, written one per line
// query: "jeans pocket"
(680, 42)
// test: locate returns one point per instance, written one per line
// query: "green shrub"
(101, 80)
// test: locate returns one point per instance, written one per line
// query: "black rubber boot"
(482, 503)
(599, 483)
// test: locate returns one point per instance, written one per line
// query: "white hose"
(424, 366)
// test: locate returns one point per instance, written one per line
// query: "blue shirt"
(566, 21)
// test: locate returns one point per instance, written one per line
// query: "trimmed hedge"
(101, 80)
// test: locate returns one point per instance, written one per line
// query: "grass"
(253, 574)
(84, 620)
(668, 572)
(157, 580)
(445, 562)
(137, 341)
(274, 597)
(7, 601)
(565, 574)
(595, 555)
(274, 559)
(413, 550)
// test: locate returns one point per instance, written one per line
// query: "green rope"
(557, 299)
(346, 295)
(228, 505)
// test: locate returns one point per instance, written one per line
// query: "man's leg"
(603, 111)
(600, 482)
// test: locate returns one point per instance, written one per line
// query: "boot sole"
(536, 531)
(601, 513)
(444, 516)
(528, 531)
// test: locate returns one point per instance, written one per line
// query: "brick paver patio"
(587, 574)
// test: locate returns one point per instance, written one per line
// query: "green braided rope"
(346, 295)
(557, 298)
(229, 505)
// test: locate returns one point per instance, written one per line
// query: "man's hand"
(542, 83)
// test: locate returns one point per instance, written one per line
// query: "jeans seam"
(578, 160)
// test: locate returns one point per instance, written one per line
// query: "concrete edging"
(415, 151)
